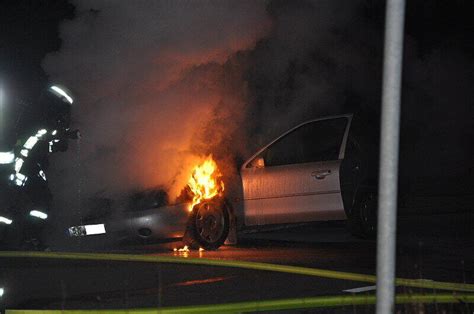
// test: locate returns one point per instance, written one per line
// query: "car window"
(312, 142)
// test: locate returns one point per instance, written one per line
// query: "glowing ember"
(205, 182)
(183, 249)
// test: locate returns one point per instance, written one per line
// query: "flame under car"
(319, 170)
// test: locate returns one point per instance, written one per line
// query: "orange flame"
(205, 183)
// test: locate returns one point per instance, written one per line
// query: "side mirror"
(258, 162)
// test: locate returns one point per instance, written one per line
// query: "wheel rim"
(209, 223)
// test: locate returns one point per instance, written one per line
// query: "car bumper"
(156, 224)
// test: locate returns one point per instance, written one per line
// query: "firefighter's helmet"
(56, 103)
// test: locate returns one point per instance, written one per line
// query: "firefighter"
(51, 135)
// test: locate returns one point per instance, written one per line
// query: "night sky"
(341, 58)
(29, 30)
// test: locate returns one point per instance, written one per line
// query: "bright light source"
(95, 229)
(59, 91)
(42, 132)
(5, 220)
(32, 140)
(54, 132)
(6, 157)
(38, 214)
(2, 291)
(24, 152)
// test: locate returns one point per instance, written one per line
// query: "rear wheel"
(208, 225)
(363, 217)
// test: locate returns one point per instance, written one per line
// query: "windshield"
(134, 174)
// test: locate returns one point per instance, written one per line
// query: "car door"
(296, 177)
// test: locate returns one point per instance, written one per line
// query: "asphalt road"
(424, 251)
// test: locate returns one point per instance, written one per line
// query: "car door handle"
(321, 174)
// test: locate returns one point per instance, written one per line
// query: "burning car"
(319, 170)
(200, 215)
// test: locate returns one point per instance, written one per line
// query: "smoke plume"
(148, 78)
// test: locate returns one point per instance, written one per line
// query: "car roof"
(347, 115)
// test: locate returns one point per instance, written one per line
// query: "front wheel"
(208, 225)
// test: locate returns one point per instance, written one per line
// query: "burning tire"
(208, 225)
